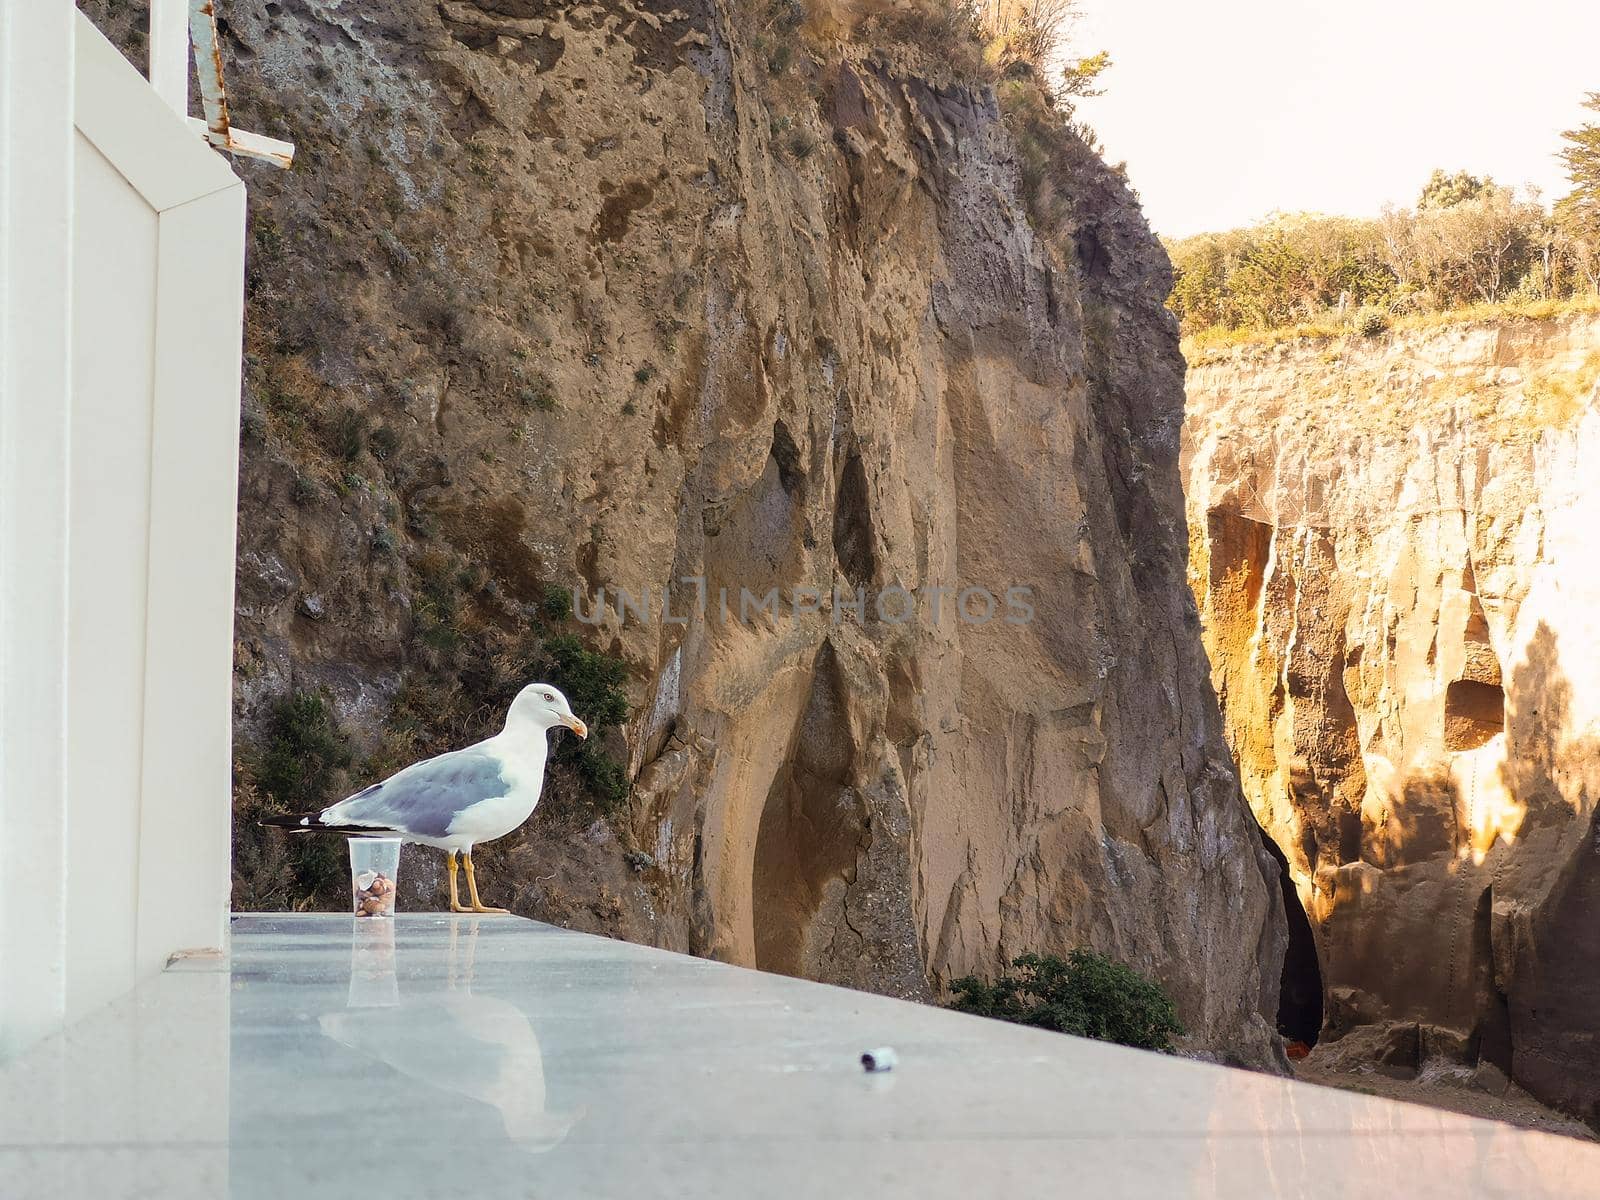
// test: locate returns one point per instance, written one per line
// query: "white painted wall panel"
(185, 849)
(113, 370)
(36, 149)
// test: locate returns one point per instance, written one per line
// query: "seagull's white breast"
(522, 767)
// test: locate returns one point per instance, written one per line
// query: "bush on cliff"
(1371, 322)
(301, 763)
(1085, 993)
(594, 683)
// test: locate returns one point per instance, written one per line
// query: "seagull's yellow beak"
(577, 727)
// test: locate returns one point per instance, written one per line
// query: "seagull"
(460, 798)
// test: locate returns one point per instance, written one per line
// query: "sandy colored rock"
(1392, 545)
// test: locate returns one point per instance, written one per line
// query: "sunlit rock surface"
(1393, 544)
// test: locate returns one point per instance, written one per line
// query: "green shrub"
(302, 765)
(1086, 994)
(345, 434)
(383, 442)
(421, 523)
(1371, 322)
(303, 751)
(435, 606)
(593, 684)
(556, 603)
(251, 427)
(263, 873)
(603, 777)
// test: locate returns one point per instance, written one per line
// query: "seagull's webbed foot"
(478, 906)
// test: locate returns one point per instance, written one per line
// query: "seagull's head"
(543, 707)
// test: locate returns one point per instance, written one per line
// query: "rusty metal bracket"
(214, 97)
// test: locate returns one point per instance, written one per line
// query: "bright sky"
(1226, 110)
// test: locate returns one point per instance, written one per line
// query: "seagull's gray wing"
(426, 796)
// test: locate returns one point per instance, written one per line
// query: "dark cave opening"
(1300, 989)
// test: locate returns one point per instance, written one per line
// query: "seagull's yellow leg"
(455, 897)
(472, 888)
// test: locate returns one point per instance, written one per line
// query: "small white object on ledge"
(881, 1059)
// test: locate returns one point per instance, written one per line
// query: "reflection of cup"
(372, 979)
(374, 866)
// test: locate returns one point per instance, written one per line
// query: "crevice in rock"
(811, 828)
(1300, 988)
(791, 472)
(853, 542)
(1491, 1038)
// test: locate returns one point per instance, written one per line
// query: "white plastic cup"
(374, 870)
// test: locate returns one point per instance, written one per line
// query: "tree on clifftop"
(1446, 191)
(1581, 155)
(1037, 32)
(1579, 211)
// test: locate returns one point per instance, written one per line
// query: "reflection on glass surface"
(373, 983)
(476, 1047)
(450, 1056)
(377, 1058)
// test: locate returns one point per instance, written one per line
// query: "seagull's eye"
(549, 697)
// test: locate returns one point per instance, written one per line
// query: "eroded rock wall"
(1392, 545)
(651, 292)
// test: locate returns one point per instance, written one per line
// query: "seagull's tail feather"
(313, 823)
(304, 822)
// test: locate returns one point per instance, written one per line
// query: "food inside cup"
(374, 894)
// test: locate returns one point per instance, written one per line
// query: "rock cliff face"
(687, 297)
(1392, 543)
